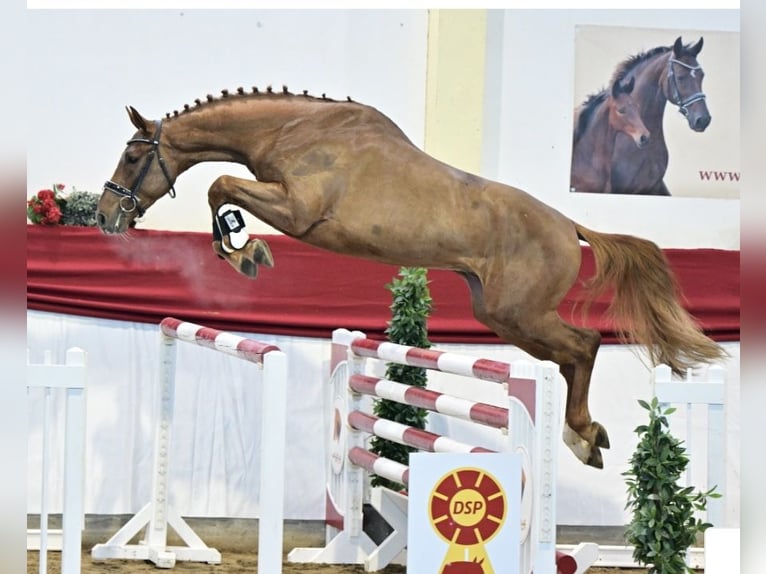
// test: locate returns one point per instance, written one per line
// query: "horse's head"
(684, 84)
(624, 112)
(143, 175)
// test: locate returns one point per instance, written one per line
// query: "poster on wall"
(656, 112)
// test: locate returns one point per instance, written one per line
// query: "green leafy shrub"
(80, 208)
(410, 309)
(663, 524)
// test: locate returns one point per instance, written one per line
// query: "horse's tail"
(645, 305)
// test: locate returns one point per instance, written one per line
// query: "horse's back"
(372, 193)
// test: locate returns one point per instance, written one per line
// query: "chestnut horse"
(342, 176)
(663, 74)
(597, 122)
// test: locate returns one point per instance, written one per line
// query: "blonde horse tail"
(645, 306)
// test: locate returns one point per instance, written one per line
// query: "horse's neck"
(649, 91)
(238, 131)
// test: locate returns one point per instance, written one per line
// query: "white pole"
(44, 490)
(156, 531)
(273, 448)
(74, 459)
(716, 449)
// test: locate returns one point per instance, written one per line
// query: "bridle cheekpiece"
(128, 200)
(683, 103)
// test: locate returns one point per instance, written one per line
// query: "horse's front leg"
(265, 200)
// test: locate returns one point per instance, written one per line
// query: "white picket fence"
(710, 393)
(705, 400)
(69, 378)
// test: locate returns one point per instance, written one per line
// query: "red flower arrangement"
(54, 207)
(45, 207)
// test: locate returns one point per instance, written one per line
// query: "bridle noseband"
(128, 199)
(682, 104)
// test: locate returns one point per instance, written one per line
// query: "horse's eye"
(130, 159)
(622, 111)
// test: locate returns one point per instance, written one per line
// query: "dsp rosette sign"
(465, 515)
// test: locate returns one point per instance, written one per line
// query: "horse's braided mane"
(254, 92)
(586, 111)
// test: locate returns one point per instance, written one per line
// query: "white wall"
(535, 126)
(88, 65)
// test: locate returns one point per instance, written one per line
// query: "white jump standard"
(156, 515)
(530, 423)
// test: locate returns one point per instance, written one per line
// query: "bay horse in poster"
(342, 176)
(597, 122)
(663, 74)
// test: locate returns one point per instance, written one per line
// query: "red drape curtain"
(149, 275)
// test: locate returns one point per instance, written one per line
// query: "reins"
(129, 194)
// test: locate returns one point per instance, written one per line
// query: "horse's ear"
(137, 119)
(623, 88)
(697, 47)
(678, 47)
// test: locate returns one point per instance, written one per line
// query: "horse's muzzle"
(112, 226)
(700, 123)
(101, 220)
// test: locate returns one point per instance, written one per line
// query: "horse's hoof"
(262, 254)
(595, 460)
(586, 451)
(218, 249)
(602, 438)
(248, 268)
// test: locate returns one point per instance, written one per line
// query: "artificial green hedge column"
(664, 524)
(410, 309)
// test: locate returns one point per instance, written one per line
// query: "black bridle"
(682, 103)
(128, 200)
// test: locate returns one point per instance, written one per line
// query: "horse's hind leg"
(543, 334)
(581, 434)
(574, 350)
(548, 338)
(230, 239)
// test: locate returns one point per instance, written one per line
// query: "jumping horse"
(597, 122)
(663, 74)
(342, 176)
